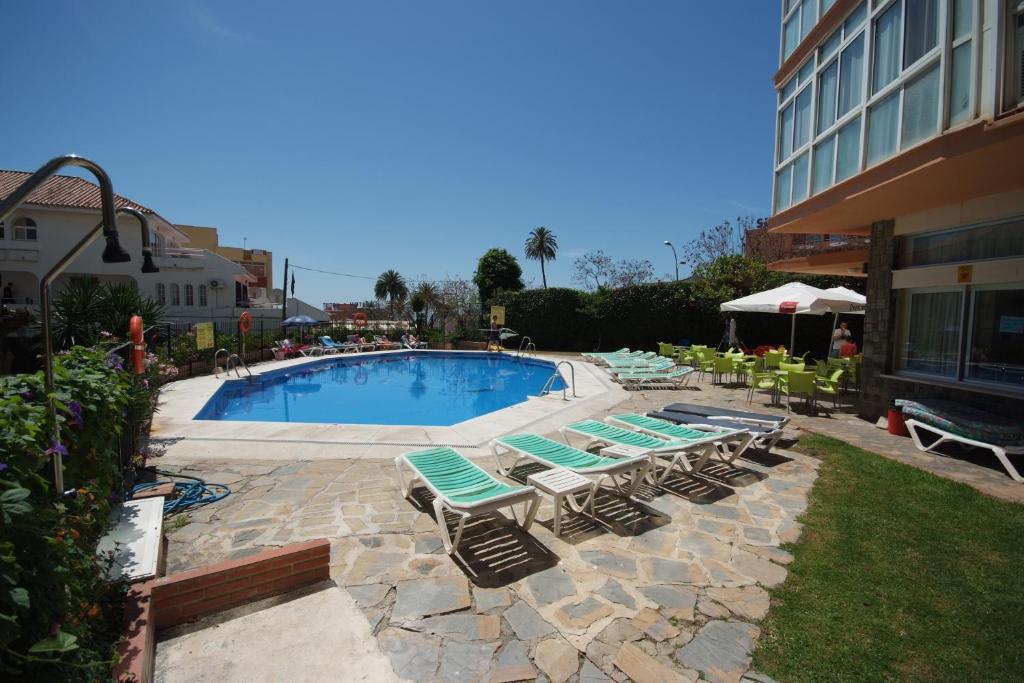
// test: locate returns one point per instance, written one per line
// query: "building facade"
(258, 262)
(193, 283)
(900, 140)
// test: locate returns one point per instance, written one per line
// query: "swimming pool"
(430, 388)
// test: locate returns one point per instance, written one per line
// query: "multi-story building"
(900, 130)
(259, 262)
(193, 284)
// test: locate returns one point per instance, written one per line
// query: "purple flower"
(28, 396)
(75, 412)
(57, 448)
(113, 498)
(114, 361)
(3, 466)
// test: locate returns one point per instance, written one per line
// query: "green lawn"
(899, 575)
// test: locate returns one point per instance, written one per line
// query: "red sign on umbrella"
(788, 306)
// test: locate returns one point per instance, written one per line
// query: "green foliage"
(58, 618)
(542, 245)
(497, 271)
(899, 575)
(84, 309)
(555, 318)
(390, 285)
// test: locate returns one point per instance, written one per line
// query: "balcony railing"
(835, 243)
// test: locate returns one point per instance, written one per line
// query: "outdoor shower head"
(147, 255)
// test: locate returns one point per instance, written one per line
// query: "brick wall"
(171, 600)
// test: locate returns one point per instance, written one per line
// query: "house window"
(175, 295)
(930, 339)
(997, 336)
(189, 296)
(1004, 239)
(25, 229)
(202, 295)
(161, 294)
(1, 230)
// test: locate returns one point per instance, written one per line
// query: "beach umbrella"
(299, 321)
(792, 298)
(858, 301)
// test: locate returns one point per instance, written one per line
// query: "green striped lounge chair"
(615, 365)
(463, 489)
(624, 352)
(597, 468)
(673, 378)
(734, 442)
(676, 451)
(641, 360)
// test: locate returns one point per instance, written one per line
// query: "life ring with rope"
(138, 344)
(360, 320)
(245, 322)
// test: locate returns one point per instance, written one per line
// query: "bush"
(554, 318)
(59, 619)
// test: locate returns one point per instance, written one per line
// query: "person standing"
(841, 336)
(493, 335)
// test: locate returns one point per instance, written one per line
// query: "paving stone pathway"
(666, 588)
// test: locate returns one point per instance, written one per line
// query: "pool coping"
(175, 432)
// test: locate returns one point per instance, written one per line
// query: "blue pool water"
(413, 388)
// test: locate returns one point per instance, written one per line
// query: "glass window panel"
(800, 177)
(823, 155)
(887, 48)
(997, 337)
(786, 133)
(922, 29)
(802, 123)
(830, 45)
(848, 150)
(851, 76)
(788, 89)
(1001, 240)
(827, 96)
(921, 108)
(963, 17)
(932, 334)
(808, 16)
(960, 85)
(855, 19)
(826, 5)
(883, 122)
(790, 35)
(782, 187)
(806, 71)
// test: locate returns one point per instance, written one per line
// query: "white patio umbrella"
(794, 298)
(859, 302)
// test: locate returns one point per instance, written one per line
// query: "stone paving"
(666, 588)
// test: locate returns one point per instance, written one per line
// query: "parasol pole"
(792, 337)
(831, 339)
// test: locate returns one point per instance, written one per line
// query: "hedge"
(560, 319)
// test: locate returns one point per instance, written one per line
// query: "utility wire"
(360, 277)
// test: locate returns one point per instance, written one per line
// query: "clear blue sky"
(361, 136)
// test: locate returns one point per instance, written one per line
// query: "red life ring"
(138, 345)
(360, 319)
(245, 322)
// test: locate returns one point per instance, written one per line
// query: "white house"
(193, 284)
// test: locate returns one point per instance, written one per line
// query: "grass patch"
(899, 575)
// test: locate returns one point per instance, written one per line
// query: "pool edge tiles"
(176, 434)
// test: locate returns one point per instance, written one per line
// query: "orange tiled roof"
(63, 191)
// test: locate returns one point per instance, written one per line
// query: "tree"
(426, 292)
(541, 246)
(456, 307)
(724, 239)
(85, 308)
(391, 286)
(497, 271)
(592, 270)
(629, 272)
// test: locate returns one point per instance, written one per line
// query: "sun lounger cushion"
(965, 421)
(709, 411)
(691, 418)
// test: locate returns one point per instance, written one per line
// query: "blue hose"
(190, 494)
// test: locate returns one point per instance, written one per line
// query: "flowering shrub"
(59, 619)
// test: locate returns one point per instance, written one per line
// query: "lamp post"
(675, 257)
(113, 253)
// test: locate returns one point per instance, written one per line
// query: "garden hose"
(191, 494)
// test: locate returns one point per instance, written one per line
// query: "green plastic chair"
(706, 362)
(772, 359)
(762, 381)
(792, 367)
(463, 489)
(666, 349)
(798, 382)
(831, 385)
(722, 367)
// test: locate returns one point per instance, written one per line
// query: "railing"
(526, 345)
(558, 375)
(839, 243)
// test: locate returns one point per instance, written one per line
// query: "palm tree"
(541, 246)
(427, 293)
(391, 285)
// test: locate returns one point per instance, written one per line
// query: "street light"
(675, 257)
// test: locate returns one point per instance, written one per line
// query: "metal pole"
(792, 337)
(284, 293)
(675, 257)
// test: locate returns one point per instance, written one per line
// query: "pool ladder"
(232, 363)
(529, 347)
(558, 375)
